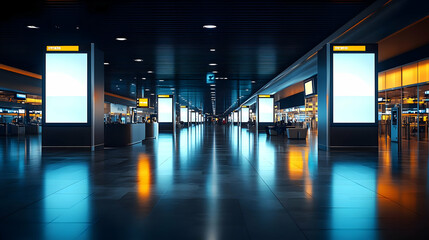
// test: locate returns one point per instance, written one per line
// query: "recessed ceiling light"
(172, 88)
(138, 60)
(152, 94)
(212, 85)
(149, 71)
(212, 64)
(120, 79)
(143, 78)
(121, 39)
(212, 50)
(147, 89)
(32, 27)
(209, 26)
(214, 71)
(225, 78)
(217, 78)
(106, 63)
(161, 80)
(253, 81)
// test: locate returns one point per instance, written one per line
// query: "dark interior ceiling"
(254, 41)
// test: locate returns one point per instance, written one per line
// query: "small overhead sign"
(142, 102)
(210, 78)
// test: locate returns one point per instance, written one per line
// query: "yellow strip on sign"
(244, 106)
(264, 96)
(183, 107)
(350, 48)
(163, 96)
(62, 48)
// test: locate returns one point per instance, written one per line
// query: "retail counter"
(117, 135)
(151, 130)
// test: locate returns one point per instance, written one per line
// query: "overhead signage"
(142, 102)
(264, 96)
(62, 48)
(210, 78)
(350, 48)
(21, 96)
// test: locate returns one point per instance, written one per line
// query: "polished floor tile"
(214, 182)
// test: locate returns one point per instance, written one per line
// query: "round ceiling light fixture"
(209, 26)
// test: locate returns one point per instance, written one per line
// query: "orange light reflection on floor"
(143, 178)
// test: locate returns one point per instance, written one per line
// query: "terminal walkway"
(214, 182)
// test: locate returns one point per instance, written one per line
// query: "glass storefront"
(406, 87)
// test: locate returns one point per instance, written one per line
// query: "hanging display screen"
(266, 110)
(165, 110)
(66, 88)
(354, 88)
(308, 88)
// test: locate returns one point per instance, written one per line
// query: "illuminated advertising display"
(244, 115)
(235, 116)
(66, 88)
(184, 114)
(165, 109)
(353, 87)
(266, 110)
(193, 116)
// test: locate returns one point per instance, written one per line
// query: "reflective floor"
(214, 183)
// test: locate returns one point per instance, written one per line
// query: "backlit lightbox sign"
(183, 114)
(66, 88)
(244, 114)
(353, 80)
(193, 116)
(142, 102)
(235, 116)
(165, 109)
(265, 109)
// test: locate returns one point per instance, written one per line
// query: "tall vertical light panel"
(166, 113)
(73, 97)
(184, 114)
(244, 114)
(347, 96)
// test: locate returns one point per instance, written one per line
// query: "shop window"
(381, 81)
(393, 78)
(424, 71)
(409, 74)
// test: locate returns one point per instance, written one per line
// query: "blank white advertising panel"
(193, 117)
(235, 116)
(66, 88)
(245, 115)
(184, 114)
(266, 110)
(165, 110)
(354, 88)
